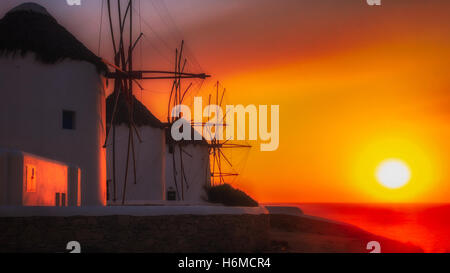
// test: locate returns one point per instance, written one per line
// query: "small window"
(31, 178)
(171, 194)
(108, 186)
(63, 199)
(68, 120)
(57, 199)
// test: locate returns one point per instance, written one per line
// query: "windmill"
(125, 77)
(177, 95)
(221, 165)
(186, 168)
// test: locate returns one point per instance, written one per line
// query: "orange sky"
(355, 85)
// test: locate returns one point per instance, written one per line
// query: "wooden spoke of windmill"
(145, 75)
(229, 145)
(223, 174)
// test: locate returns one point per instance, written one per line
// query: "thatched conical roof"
(196, 137)
(30, 28)
(141, 116)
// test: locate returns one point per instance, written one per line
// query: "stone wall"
(176, 233)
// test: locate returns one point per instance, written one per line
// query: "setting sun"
(393, 173)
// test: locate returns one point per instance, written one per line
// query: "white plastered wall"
(33, 98)
(197, 171)
(150, 160)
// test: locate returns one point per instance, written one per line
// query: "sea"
(425, 225)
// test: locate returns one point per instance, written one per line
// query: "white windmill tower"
(148, 153)
(187, 161)
(52, 97)
(223, 168)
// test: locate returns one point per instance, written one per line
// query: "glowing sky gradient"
(355, 84)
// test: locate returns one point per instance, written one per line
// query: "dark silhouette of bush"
(229, 196)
